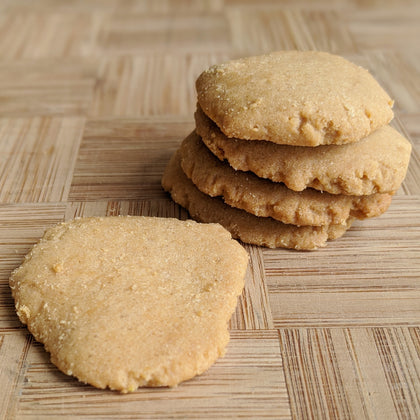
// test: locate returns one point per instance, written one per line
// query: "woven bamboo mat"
(94, 98)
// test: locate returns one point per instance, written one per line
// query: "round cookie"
(375, 164)
(122, 302)
(263, 231)
(301, 98)
(265, 198)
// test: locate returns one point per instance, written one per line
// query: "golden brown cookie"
(122, 302)
(376, 164)
(301, 98)
(265, 198)
(255, 230)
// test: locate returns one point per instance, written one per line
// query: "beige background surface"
(95, 95)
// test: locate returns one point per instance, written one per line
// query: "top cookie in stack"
(299, 98)
(310, 129)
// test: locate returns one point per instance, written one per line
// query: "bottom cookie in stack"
(264, 231)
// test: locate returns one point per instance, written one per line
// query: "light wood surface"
(95, 95)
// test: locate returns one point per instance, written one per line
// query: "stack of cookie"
(288, 149)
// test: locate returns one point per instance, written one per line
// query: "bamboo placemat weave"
(94, 98)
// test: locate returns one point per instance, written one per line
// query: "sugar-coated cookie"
(375, 164)
(302, 98)
(122, 302)
(255, 230)
(265, 198)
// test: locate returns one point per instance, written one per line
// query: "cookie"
(263, 231)
(122, 302)
(375, 164)
(265, 198)
(301, 98)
